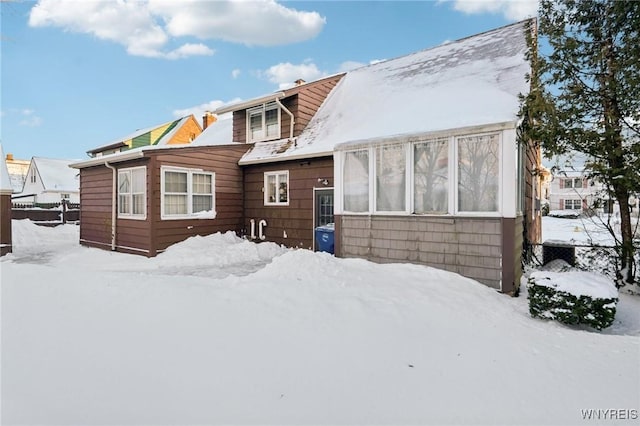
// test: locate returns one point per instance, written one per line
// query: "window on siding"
(573, 183)
(263, 122)
(276, 186)
(430, 176)
(573, 204)
(132, 193)
(186, 193)
(391, 168)
(356, 181)
(478, 173)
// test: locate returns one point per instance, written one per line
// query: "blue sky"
(80, 74)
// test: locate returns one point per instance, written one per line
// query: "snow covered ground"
(218, 330)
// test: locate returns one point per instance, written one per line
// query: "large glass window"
(478, 173)
(356, 181)
(276, 186)
(263, 122)
(431, 176)
(132, 193)
(186, 192)
(391, 168)
(573, 204)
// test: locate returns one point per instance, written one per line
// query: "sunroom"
(450, 199)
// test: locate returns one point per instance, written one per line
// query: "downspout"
(293, 121)
(113, 205)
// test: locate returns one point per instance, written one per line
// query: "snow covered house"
(5, 208)
(49, 180)
(176, 132)
(414, 159)
(426, 167)
(144, 199)
(18, 170)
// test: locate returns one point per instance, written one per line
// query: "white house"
(50, 181)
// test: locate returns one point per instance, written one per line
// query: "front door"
(322, 208)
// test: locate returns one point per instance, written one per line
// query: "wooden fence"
(47, 213)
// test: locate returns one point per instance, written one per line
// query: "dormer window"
(263, 122)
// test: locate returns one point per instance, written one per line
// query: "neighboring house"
(571, 190)
(414, 159)
(17, 172)
(177, 132)
(145, 199)
(49, 180)
(5, 208)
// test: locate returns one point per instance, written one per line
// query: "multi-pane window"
(355, 178)
(478, 173)
(442, 177)
(391, 167)
(263, 122)
(276, 186)
(572, 182)
(573, 204)
(431, 176)
(186, 192)
(132, 193)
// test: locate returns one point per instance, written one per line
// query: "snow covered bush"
(573, 297)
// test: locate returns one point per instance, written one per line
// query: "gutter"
(247, 104)
(112, 158)
(293, 121)
(113, 205)
(285, 158)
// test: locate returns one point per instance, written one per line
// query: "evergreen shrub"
(573, 298)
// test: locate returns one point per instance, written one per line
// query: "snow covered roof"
(56, 174)
(220, 132)
(5, 180)
(470, 82)
(159, 131)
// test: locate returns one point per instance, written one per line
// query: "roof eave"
(456, 131)
(106, 147)
(248, 104)
(279, 159)
(113, 158)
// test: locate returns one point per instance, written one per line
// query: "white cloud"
(189, 49)
(511, 9)
(29, 118)
(285, 74)
(257, 22)
(199, 110)
(145, 28)
(235, 73)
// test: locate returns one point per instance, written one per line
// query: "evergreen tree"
(586, 98)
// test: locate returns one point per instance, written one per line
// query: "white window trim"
(338, 201)
(190, 173)
(504, 153)
(266, 191)
(263, 108)
(132, 216)
(457, 212)
(408, 199)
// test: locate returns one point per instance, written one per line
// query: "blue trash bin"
(325, 237)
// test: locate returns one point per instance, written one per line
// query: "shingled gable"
(469, 82)
(299, 103)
